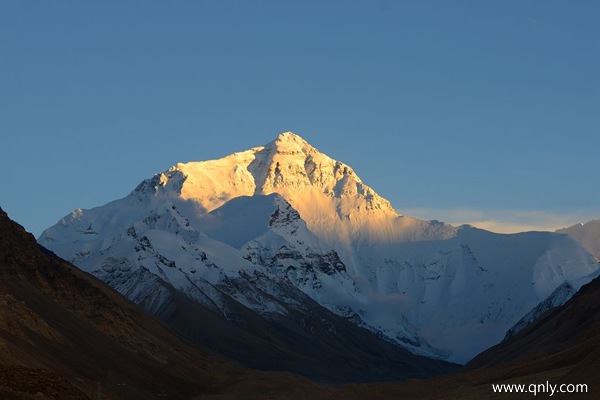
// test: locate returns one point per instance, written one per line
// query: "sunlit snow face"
(281, 210)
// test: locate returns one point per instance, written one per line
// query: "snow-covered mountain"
(587, 234)
(257, 225)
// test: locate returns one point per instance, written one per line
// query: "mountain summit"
(324, 191)
(282, 224)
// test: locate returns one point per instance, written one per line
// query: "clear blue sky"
(452, 110)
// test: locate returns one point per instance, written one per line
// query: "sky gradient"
(466, 111)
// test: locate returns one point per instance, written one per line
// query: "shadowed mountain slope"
(65, 335)
(314, 343)
(56, 319)
(566, 337)
(560, 347)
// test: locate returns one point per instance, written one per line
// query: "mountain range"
(286, 248)
(65, 335)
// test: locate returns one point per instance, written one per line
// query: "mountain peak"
(319, 187)
(425, 285)
(289, 143)
(289, 137)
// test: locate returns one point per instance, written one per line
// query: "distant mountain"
(587, 234)
(570, 333)
(280, 229)
(561, 347)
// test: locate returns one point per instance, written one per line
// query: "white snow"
(255, 221)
